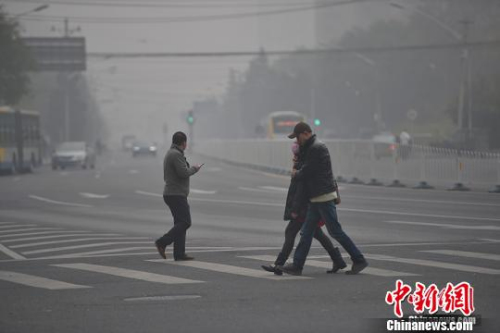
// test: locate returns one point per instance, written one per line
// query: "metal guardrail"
(367, 162)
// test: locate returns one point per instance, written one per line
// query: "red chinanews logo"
(449, 299)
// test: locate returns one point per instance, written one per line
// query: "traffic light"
(317, 122)
(190, 118)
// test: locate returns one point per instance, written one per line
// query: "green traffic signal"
(190, 119)
(317, 122)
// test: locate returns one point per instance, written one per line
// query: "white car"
(73, 153)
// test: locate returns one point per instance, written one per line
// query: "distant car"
(385, 144)
(73, 154)
(144, 149)
(128, 142)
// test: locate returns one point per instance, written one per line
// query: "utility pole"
(465, 86)
(66, 33)
(466, 24)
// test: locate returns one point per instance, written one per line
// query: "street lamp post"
(377, 117)
(37, 9)
(465, 85)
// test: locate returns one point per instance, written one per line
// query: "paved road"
(77, 255)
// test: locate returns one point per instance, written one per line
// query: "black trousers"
(179, 207)
(291, 231)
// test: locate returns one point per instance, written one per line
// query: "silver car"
(73, 154)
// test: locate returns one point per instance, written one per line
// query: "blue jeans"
(328, 212)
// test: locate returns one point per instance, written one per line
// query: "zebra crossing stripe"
(4, 227)
(228, 269)
(11, 253)
(6, 232)
(466, 254)
(35, 233)
(328, 265)
(37, 282)
(128, 273)
(73, 241)
(72, 234)
(83, 246)
(437, 264)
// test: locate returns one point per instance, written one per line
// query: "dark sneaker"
(290, 269)
(161, 250)
(357, 267)
(272, 269)
(184, 258)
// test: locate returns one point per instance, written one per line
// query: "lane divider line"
(36, 197)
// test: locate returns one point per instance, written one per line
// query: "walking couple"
(311, 202)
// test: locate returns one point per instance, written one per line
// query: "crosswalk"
(20, 242)
(247, 267)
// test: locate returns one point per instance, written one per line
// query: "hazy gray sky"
(138, 95)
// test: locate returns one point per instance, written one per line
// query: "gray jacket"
(176, 172)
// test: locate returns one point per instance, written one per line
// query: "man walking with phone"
(176, 173)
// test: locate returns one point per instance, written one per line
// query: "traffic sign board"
(412, 114)
(57, 53)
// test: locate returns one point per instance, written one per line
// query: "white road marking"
(84, 246)
(11, 253)
(58, 202)
(162, 298)
(37, 282)
(16, 179)
(490, 240)
(453, 217)
(328, 265)
(202, 191)
(466, 254)
(449, 226)
(461, 203)
(5, 233)
(149, 193)
(250, 189)
(66, 234)
(112, 252)
(343, 209)
(94, 196)
(97, 175)
(4, 223)
(128, 273)
(3, 227)
(73, 241)
(274, 188)
(133, 172)
(228, 269)
(437, 264)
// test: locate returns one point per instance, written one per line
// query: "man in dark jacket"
(322, 192)
(295, 212)
(176, 173)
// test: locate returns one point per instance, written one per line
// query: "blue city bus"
(20, 140)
